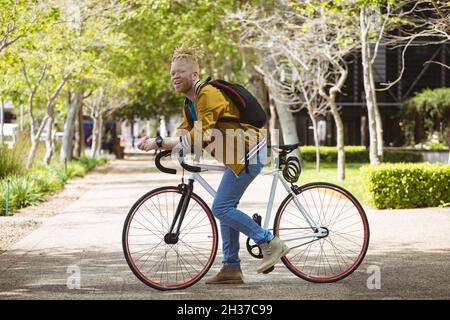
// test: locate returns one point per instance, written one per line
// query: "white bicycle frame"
(277, 176)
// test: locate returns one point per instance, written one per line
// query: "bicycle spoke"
(164, 265)
(335, 255)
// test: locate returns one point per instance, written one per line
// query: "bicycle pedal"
(257, 218)
(269, 270)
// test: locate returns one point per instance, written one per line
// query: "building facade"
(417, 75)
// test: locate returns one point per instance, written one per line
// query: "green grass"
(328, 173)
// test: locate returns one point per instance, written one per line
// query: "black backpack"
(250, 110)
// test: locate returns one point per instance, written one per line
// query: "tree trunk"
(362, 130)
(94, 144)
(339, 139)
(273, 132)
(378, 120)
(97, 135)
(100, 133)
(32, 152)
(21, 118)
(2, 120)
(34, 137)
(289, 128)
(369, 89)
(67, 143)
(76, 138)
(316, 138)
(78, 149)
(81, 147)
(49, 146)
(379, 126)
(261, 92)
(262, 95)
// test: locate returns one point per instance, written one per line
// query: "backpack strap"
(199, 85)
(221, 86)
(230, 119)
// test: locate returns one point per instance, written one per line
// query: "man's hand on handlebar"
(148, 143)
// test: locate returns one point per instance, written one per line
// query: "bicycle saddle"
(286, 147)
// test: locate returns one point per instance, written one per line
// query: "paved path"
(411, 248)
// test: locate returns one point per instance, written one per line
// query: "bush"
(76, 169)
(11, 162)
(3, 196)
(90, 163)
(357, 154)
(406, 185)
(402, 156)
(30, 188)
(24, 192)
(432, 107)
(59, 169)
(46, 180)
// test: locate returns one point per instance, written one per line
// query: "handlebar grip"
(160, 167)
(186, 166)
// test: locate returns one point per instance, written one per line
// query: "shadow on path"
(105, 275)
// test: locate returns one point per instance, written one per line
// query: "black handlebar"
(180, 157)
(186, 166)
(160, 167)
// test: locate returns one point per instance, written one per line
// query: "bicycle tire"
(205, 259)
(302, 266)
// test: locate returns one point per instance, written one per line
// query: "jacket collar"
(197, 86)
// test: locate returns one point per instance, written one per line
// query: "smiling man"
(203, 113)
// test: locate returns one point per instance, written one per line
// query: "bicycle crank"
(252, 248)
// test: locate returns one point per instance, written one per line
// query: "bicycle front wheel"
(169, 266)
(328, 258)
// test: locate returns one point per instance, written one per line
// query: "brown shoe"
(227, 275)
(272, 253)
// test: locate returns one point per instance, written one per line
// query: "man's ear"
(195, 76)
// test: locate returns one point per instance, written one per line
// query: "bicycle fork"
(171, 237)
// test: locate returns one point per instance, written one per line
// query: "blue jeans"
(232, 220)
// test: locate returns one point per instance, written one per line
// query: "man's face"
(183, 75)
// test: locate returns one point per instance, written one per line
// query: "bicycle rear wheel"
(332, 257)
(166, 266)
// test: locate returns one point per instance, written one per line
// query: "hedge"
(406, 185)
(355, 154)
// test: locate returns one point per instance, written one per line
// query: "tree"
(378, 19)
(154, 29)
(33, 85)
(433, 19)
(305, 46)
(268, 37)
(100, 105)
(19, 18)
(433, 107)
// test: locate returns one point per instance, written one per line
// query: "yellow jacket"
(228, 142)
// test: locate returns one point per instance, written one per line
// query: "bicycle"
(170, 235)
